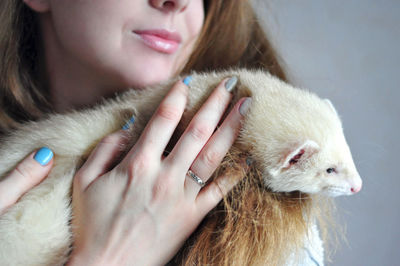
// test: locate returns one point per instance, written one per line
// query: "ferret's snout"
(356, 187)
(353, 178)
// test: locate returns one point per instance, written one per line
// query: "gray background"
(348, 51)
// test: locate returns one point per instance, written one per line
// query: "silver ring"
(195, 178)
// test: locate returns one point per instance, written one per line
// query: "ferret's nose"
(356, 189)
(355, 183)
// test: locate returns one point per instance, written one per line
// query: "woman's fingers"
(216, 148)
(161, 126)
(102, 157)
(25, 176)
(201, 126)
(213, 193)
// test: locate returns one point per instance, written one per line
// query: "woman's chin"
(148, 79)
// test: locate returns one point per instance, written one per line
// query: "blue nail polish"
(231, 83)
(129, 123)
(244, 106)
(187, 80)
(43, 156)
(249, 161)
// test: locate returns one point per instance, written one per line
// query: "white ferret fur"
(292, 135)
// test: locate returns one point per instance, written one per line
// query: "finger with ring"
(197, 179)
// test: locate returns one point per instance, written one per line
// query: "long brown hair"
(255, 226)
(231, 37)
(21, 97)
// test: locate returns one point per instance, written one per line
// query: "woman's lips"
(160, 40)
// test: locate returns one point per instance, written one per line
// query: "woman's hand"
(28, 173)
(142, 211)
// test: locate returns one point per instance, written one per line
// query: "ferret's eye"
(331, 170)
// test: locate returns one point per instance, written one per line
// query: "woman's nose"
(170, 5)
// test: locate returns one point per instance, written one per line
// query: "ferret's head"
(313, 168)
(319, 161)
(297, 140)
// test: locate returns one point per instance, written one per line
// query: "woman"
(59, 55)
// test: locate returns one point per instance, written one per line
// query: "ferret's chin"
(336, 192)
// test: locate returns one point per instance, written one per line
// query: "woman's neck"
(72, 90)
(72, 85)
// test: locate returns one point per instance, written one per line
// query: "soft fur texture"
(292, 136)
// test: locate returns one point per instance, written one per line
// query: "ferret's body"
(293, 136)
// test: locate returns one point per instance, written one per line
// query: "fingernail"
(187, 80)
(244, 107)
(129, 123)
(43, 156)
(249, 161)
(230, 83)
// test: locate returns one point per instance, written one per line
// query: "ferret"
(295, 140)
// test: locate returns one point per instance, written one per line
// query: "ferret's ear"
(39, 6)
(296, 156)
(329, 103)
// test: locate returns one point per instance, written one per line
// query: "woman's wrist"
(77, 258)
(108, 257)
(80, 258)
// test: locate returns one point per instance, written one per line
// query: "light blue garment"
(313, 252)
